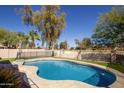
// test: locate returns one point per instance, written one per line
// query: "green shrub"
(10, 78)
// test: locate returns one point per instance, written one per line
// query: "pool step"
(92, 80)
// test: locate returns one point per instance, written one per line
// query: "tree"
(13, 39)
(3, 33)
(64, 45)
(79, 44)
(56, 46)
(27, 13)
(37, 23)
(109, 30)
(8, 38)
(53, 21)
(49, 22)
(33, 36)
(23, 40)
(83, 44)
(72, 48)
(86, 43)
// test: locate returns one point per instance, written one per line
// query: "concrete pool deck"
(36, 81)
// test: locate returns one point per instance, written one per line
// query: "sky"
(80, 20)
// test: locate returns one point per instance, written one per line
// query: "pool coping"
(67, 83)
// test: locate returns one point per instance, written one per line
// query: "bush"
(10, 78)
(72, 48)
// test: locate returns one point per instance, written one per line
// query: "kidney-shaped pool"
(66, 70)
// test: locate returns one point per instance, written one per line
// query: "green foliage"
(118, 67)
(3, 32)
(52, 22)
(32, 37)
(79, 44)
(83, 44)
(10, 59)
(56, 46)
(36, 17)
(72, 48)
(23, 40)
(27, 13)
(13, 39)
(77, 48)
(109, 30)
(86, 43)
(64, 45)
(38, 47)
(49, 22)
(8, 38)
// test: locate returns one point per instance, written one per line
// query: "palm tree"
(49, 23)
(64, 45)
(23, 40)
(33, 36)
(27, 13)
(52, 22)
(79, 44)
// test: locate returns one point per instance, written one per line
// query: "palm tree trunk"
(52, 46)
(33, 44)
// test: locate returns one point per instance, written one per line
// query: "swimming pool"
(66, 70)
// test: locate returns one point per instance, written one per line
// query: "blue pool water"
(65, 70)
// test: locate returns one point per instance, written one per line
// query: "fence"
(97, 55)
(8, 53)
(74, 54)
(102, 55)
(35, 54)
(25, 53)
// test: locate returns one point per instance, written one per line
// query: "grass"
(118, 67)
(10, 59)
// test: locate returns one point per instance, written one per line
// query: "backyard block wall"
(96, 57)
(12, 53)
(35, 54)
(92, 55)
(120, 58)
(8, 53)
(65, 54)
(85, 54)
